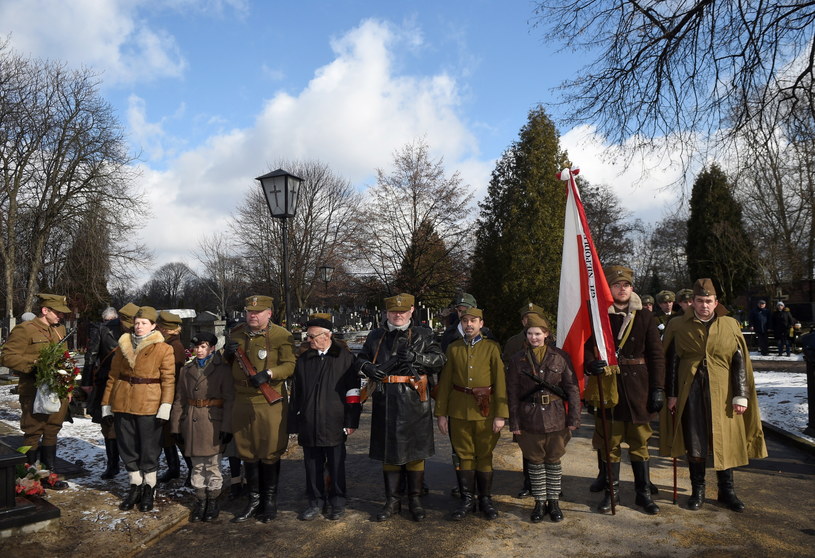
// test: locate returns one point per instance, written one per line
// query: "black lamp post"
(281, 190)
(326, 271)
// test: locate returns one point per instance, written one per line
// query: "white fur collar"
(126, 345)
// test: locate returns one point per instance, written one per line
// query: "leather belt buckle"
(544, 398)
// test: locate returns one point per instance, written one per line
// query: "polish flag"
(584, 293)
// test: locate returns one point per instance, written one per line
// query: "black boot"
(212, 509)
(415, 480)
(553, 509)
(642, 489)
(131, 498)
(600, 482)
(539, 512)
(468, 501)
(697, 484)
(48, 457)
(484, 480)
(251, 471)
(188, 462)
(393, 504)
(148, 493)
(112, 453)
(605, 504)
(269, 477)
(727, 493)
(173, 465)
(526, 491)
(201, 504)
(32, 456)
(537, 483)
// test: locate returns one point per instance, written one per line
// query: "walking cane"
(673, 433)
(609, 480)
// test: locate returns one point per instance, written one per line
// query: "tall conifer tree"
(519, 237)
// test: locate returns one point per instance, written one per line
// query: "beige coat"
(22, 349)
(153, 358)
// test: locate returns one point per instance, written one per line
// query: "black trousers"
(696, 421)
(139, 440)
(320, 461)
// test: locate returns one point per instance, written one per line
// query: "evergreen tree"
(519, 234)
(718, 246)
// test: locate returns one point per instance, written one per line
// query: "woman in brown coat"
(138, 398)
(540, 384)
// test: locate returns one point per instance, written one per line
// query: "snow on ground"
(782, 397)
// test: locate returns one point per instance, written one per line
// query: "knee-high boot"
(112, 454)
(415, 480)
(605, 504)
(468, 501)
(600, 482)
(727, 493)
(269, 478)
(48, 458)
(173, 465)
(484, 480)
(642, 487)
(252, 472)
(393, 503)
(697, 484)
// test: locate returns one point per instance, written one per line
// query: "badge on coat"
(262, 354)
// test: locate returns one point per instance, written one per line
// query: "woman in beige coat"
(138, 399)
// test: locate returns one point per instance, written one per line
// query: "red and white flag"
(584, 293)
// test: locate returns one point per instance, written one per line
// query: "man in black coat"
(760, 324)
(782, 323)
(398, 358)
(324, 410)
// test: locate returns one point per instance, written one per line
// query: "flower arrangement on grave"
(30, 476)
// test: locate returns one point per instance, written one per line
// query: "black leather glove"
(371, 370)
(596, 368)
(230, 349)
(225, 437)
(404, 354)
(260, 378)
(179, 438)
(656, 400)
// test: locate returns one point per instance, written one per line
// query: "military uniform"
(259, 428)
(473, 363)
(20, 353)
(169, 325)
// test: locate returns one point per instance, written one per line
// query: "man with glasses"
(397, 358)
(20, 353)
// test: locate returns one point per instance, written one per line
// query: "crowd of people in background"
(681, 364)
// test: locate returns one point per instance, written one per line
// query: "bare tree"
(62, 154)
(319, 234)
(660, 260)
(414, 202)
(683, 68)
(610, 223)
(167, 285)
(221, 273)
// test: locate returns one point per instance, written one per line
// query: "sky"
(213, 93)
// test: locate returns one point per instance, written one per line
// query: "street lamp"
(326, 271)
(281, 190)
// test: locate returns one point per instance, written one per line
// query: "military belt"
(623, 360)
(136, 380)
(542, 398)
(397, 379)
(205, 402)
(468, 389)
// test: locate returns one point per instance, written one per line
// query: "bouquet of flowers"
(30, 477)
(57, 370)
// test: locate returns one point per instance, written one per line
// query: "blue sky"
(215, 92)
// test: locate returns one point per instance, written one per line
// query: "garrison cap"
(320, 322)
(147, 313)
(126, 314)
(204, 337)
(531, 308)
(399, 303)
(665, 296)
(684, 295)
(617, 273)
(704, 287)
(57, 303)
(536, 320)
(466, 299)
(256, 303)
(168, 320)
(473, 311)
(647, 299)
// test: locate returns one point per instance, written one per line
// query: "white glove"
(106, 411)
(164, 411)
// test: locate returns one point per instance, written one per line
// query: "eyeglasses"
(310, 336)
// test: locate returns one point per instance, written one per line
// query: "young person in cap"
(20, 353)
(324, 410)
(517, 343)
(169, 325)
(640, 385)
(398, 357)
(95, 374)
(667, 309)
(471, 403)
(540, 384)
(454, 331)
(648, 302)
(201, 421)
(259, 428)
(684, 298)
(711, 391)
(138, 398)
(126, 315)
